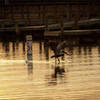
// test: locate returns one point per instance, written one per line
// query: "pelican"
(59, 51)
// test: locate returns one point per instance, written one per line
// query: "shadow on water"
(58, 69)
(58, 75)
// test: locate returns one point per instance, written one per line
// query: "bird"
(59, 51)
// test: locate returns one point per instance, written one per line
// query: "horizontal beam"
(38, 3)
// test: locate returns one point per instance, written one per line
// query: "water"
(77, 77)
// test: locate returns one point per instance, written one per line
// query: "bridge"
(19, 15)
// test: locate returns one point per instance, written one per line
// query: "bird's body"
(57, 55)
(61, 45)
(59, 51)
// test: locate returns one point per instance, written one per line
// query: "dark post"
(17, 28)
(22, 13)
(6, 2)
(61, 27)
(76, 18)
(29, 47)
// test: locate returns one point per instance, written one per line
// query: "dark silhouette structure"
(44, 12)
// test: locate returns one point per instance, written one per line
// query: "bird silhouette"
(59, 51)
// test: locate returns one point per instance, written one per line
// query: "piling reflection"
(46, 49)
(79, 50)
(23, 47)
(29, 65)
(6, 48)
(13, 48)
(85, 50)
(17, 44)
(40, 46)
(30, 69)
(99, 50)
(89, 50)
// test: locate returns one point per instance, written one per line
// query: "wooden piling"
(29, 47)
(61, 27)
(17, 28)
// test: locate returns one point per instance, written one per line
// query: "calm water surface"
(77, 77)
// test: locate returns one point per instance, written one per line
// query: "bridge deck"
(50, 27)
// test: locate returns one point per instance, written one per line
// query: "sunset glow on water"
(80, 79)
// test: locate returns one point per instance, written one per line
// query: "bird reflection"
(58, 71)
(57, 76)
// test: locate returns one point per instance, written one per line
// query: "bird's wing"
(61, 45)
(66, 53)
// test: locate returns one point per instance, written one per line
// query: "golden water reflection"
(77, 77)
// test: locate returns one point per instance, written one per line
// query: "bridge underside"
(53, 16)
(43, 13)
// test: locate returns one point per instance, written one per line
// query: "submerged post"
(29, 47)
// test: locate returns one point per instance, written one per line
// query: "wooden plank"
(51, 33)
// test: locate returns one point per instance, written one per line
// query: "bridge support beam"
(2, 25)
(61, 27)
(76, 17)
(17, 28)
